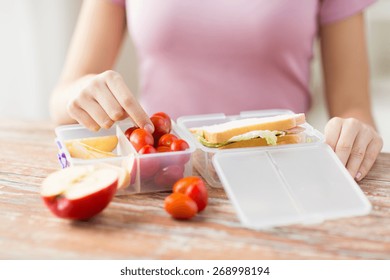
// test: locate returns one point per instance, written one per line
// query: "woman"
(223, 56)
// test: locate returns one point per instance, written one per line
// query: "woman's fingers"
(98, 114)
(349, 131)
(82, 117)
(372, 152)
(332, 131)
(358, 152)
(342, 138)
(356, 144)
(127, 100)
(105, 100)
(109, 103)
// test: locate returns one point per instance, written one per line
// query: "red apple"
(79, 192)
(125, 172)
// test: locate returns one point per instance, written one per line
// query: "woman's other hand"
(355, 143)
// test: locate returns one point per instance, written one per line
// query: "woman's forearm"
(345, 64)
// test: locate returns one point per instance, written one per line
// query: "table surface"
(137, 227)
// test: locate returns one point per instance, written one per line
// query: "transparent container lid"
(287, 185)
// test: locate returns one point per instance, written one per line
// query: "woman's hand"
(355, 143)
(104, 99)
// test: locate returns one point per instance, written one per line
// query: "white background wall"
(35, 35)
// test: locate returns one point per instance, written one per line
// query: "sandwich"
(252, 132)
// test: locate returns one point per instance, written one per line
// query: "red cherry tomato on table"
(140, 137)
(167, 139)
(129, 131)
(148, 166)
(161, 127)
(179, 145)
(180, 206)
(195, 188)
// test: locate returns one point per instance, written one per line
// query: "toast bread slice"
(221, 133)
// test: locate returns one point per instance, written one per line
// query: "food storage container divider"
(173, 165)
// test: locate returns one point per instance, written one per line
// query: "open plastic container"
(171, 166)
(279, 185)
(202, 157)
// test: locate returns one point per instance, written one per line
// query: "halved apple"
(130, 165)
(124, 172)
(79, 192)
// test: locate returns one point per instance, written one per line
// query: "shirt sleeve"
(334, 10)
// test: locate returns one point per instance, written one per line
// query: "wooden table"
(136, 226)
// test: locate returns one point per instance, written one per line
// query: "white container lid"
(302, 183)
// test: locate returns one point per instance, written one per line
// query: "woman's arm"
(351, 132)
(88, 92)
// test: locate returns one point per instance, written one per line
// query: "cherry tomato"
(147, 149)
(163, 149)
(180, 206)
(179, 145)
(165, 116)
(140, 137)
(161, 127)
(195, 188)
(167, 139)
(129, 131)
(167, 176)
(148, 166)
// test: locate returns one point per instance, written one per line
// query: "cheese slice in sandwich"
(281, 129)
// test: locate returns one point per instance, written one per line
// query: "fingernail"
(148, 127)
(358, 175)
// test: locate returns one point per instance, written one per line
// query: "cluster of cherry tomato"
(189, 197)
(165, 170)
(160, 141)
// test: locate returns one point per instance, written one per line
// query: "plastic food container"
(279, 185)
(202, 157)
(171, 166)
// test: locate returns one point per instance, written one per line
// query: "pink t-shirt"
(199, 57)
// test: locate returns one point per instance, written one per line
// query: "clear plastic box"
(202, 157)
(171, 166)
(279, 185)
